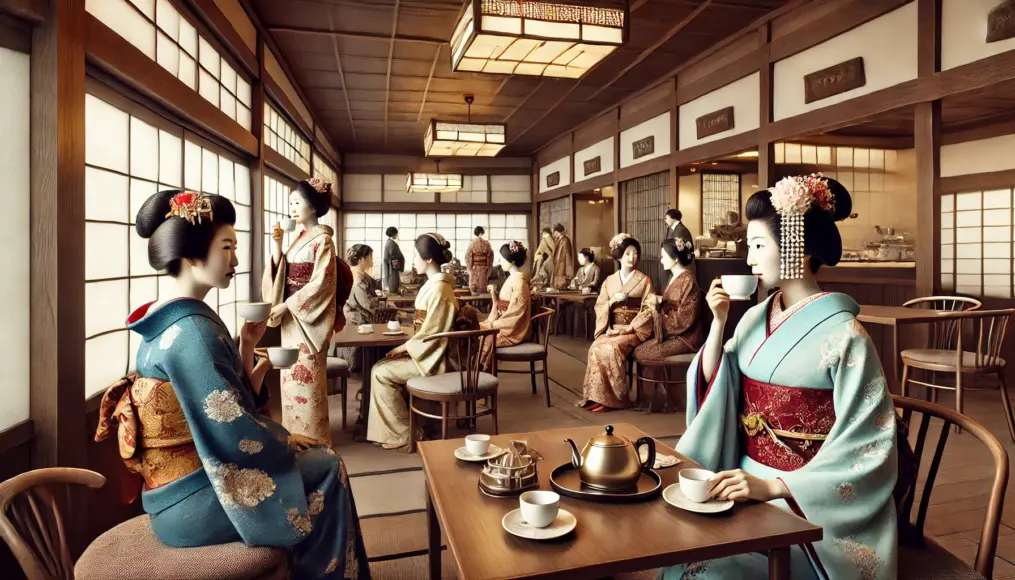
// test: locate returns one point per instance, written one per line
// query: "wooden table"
(896, 316)
(370, 347)
(610, 538)
(555, 298)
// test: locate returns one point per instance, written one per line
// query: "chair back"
(32, 524)
(541, 324)
(943, 335)
(989, 330)
(465, 347)
(384, 315)
(931, 411)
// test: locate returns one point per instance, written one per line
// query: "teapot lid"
(609, 439)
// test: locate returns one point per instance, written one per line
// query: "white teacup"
(365, 328)
(287, 224)
(739, 286)
(378, 292)
(548, 289)
(586, 290)
(695, 483)
(283, 357)
(539, 508)
(393, 325)
(253, 311)
(477, 444)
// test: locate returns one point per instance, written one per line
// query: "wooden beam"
(459, 208)
(747, 141)
(864, 141)
(221, 26)
(31, 10)
(288, 108)
(429, 79)
(735, 71)
(387, 76)
(927, 135)
(304, 31)
(279, 163)
(831, 25)
(766, 148)
(977, 182)
(341, 75)
(16, 435)
(257, 233)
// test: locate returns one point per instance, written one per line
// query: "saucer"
(515, 525)
(676, 498)
(494, 451)
(394, 332)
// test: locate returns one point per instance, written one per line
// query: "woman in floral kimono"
(794, 410)
(363, 300)
(621, 324)
(436, 307)
(216, 470)
(678, 309)
(301, 286)
(479, 261)
(513, 310)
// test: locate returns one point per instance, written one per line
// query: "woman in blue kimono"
(215, 469)
(793, 410)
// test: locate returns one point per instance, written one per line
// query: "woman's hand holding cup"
(277, 234)
(718, 301)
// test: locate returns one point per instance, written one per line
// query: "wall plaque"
(594, 165)
(714, 123)
(1001, 22)
(553, 179)
(643, 147)
(834, 80)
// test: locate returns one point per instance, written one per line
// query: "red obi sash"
(297, 276)
(502, 306)
(480, 260)
(784, 427)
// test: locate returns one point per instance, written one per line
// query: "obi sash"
(297, 276)
(417, 320)
(153, 435)
(502, 306)
(481, 260)
(624, 312)
(784, 427)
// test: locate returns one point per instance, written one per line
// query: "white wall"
(742, 95)
(887, 45)
(510, 188)
(361, 187)
(604, 150)
(964, 32)
(660, 126)
(474, 190)
(983, 156)
(563, 165)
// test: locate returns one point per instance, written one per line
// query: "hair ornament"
(792, 198)
(190, 206)
(439, 239)
(514, 246)
(683, 246)
(618, 239)
(319, 184)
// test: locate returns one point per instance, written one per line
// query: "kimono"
(216, 470)
(359, 309)
(479, 261)
(436, 307)
(546, 246)
(587, 276)
(563, 262)
(392, 266)
(606, 375)
(677, 321)
(799, 395)
(306, 281)
(514, 312)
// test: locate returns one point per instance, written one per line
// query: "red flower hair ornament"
(191, 206)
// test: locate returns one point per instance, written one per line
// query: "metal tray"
(565, 481)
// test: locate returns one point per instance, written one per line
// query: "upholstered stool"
(131, 550)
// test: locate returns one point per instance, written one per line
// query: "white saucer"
(676, 498)
(494, 451)
(562, 525)
(394, 333)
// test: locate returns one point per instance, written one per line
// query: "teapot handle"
(650, 461)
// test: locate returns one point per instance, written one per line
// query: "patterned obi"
(624, 312)
(480, 260)
(784, 427)
(417, 320)
(152, 431)
(297, 276)
(502, 306)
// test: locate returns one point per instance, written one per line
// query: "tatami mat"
(393, 535)
(387, 494)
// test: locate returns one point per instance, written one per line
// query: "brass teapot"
(610, 462)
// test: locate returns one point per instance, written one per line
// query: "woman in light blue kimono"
(793, 410)
(216, 470)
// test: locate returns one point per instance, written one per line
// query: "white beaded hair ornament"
(792, 198)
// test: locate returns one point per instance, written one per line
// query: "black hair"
(358, 252)
(479, 231)
(589, 254)
(618, 252)
(822, 241)
(516, 258)
(547, 231)
(429, 248)
(559, 228)
(319, 200)
(173, 239)
(685, 256)
(674, 214)
(391, 232)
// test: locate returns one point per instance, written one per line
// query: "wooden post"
(766, 149)
(257, 176)
(927, 137)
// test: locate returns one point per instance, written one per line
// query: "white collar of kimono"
(624, 279)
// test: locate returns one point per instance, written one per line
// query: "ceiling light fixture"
(434, 182)
(545, 38)
(454, 139)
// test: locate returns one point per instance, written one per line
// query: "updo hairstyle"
(618, 252)
(172, 239)
(590, 256)
(319, 200)
(391, 231)
(479, 231)
(684, 257)
(429, 248)
(357, 253)
(517, 257)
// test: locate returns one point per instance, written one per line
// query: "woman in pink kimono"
(479, 261)
(513, 310)
(621, 325)
(301, 286)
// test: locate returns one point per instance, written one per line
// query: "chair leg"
(933, 392)
(546, 383)
(532, 371)
(958, 396)
(345, 399)
(903, 388)
(493, 401)
(444, 420)
(1007, 405)
(412, 427)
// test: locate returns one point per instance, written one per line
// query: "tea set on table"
(393, 329)
(609, 469)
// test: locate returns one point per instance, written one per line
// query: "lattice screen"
(646, 200)
(720, 194)
(557, 211)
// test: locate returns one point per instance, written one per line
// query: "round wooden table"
(371, 347)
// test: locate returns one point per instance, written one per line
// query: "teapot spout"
(576, 458)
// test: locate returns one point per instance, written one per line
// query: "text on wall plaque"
(834, 80)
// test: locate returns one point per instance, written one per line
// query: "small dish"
(561, 525)
(676, 498)
(494, 451)
(394, 332)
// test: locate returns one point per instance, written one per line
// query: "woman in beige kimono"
(513, 311)
(363, 299)
(621, 324)
(436, 307)
(678, 310)
(479, 261)
(301, 286)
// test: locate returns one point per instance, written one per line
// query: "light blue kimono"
(846, 488)
(253, 487)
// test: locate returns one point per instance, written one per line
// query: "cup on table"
(548, 289)
(253, 311)
(477, 444)
(365, 328)
(695, 483)
(378, 292)
(586, 290)
(539, 508)
(739, 286)
(393, 325)
(287, 224)
(283, 357)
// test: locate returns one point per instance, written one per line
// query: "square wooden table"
(896, 316)
(609, 539)
(370, 345)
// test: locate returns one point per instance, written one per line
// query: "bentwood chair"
(942, 334)
(467, 385)
(530, 352)
(920, 558)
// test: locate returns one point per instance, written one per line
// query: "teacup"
(378, 293)
(253, 311)
(283, 357)
(548, 289)
(586, 290)
(477, 444)
(695, 483)
(739, 286)
(365, 328)
(287, 224)
(393, 325)
(539, 508)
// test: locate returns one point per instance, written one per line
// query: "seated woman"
(678, 313)
(363, 301)
(216, 470)
(793, 410)
(436, 307)
(513, 310)
(621, 325)
(588, 274)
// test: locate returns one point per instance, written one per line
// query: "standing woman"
(301, 285)
(393, 264)
(479, 261)
(678, 312)
(513, 310)
(363, 300)
(621, 325)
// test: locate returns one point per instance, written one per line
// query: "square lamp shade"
(453, 139)
(434, 182)
(539, 38)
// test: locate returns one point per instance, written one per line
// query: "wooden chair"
(467, 385)
(338, 380)
(989, 330)
(674, 370)
(942, 334)
(932, 561)
(530, 352)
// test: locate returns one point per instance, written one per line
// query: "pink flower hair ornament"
(618, 239)
(792, 198)
(319, 184)
(514, 246)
